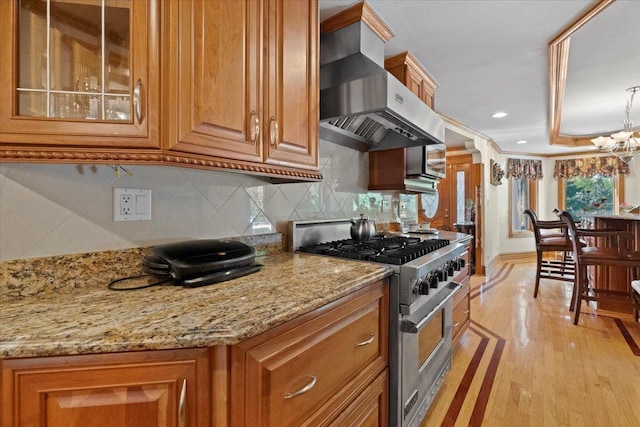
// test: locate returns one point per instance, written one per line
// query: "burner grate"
(395, 250)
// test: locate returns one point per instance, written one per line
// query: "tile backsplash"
(59, 209)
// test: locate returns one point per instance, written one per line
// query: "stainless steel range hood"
(362, 105)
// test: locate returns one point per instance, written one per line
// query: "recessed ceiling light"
(522, 141)
(499, 115)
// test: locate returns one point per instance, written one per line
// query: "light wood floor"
(524, 363)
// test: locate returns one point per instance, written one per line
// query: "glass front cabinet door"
(79, 73)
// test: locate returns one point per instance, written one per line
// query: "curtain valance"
(524, 169)
(589, 167)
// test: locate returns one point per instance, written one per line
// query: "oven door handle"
(413, 328)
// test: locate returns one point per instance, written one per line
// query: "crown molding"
(558, 52)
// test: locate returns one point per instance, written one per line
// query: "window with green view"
(589, 196)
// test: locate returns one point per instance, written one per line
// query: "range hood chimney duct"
(362, 105)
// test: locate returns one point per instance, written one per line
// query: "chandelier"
(623, 145)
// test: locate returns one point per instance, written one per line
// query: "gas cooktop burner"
(389, 250)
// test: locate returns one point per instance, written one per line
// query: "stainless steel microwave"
(426, 161)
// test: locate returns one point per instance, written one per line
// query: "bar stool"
(585, 256)
(562, 270)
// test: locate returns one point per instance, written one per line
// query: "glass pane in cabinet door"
(74, 59)
(32, 104)
(76, 45)
(32, 45)
(117, 52)
(117, 46)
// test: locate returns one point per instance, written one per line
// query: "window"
(523, 176)
(460, 199)
(590, 186)
(583, 196)
(522, 195)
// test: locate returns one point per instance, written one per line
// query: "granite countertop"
(61, 305)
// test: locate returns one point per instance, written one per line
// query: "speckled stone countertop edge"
(92, 319)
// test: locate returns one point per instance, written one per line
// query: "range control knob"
(462, 262)
(450, 268)
(441, 273)
(422, 286)
(433, 280)
(456, 264)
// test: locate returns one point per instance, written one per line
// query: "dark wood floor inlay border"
(487, 384)
(627, 336)
(465, 384)
(493, 282)
(493, 334)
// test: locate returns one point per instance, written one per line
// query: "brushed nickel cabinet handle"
(137, 100)
(182, 410)
(367, 341)
(455, 325)
(466, 311)
(273, 131)
(255, 130)
(304, 389)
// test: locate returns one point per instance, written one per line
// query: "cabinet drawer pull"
(466, 311)
(182, 416)
(255, 130)
(137, 100)
(367, 341)
(304, 389)
(455, 325)
(273, 131)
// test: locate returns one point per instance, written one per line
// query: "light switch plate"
(130, 204)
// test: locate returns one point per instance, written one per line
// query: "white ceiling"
(491, 55)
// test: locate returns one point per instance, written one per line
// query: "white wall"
(56, 209)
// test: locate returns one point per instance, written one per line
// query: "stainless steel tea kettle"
(362, 229)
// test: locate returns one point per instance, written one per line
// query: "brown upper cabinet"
(79, 73)
(406, 68)
(233, 84)
(242, 77)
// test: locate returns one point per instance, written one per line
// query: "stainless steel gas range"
(420, 316)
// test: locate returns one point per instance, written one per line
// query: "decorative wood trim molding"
(558, 62)
(153, 158)
(358, 12)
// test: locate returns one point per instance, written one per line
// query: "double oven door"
(425, 340)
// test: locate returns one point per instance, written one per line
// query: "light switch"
(142, 204)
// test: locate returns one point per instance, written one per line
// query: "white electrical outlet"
(130, 204)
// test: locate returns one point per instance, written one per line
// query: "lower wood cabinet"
(462, 300)
(141, 389)
(328, 367)
(318, 369)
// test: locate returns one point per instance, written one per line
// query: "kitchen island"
(617, 278)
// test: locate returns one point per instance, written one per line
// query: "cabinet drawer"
(463, 292)
(369, 409)
(289, 377)
(460, 314)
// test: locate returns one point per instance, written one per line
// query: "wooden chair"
(557, 241)
(635, 298)
(585, 256)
